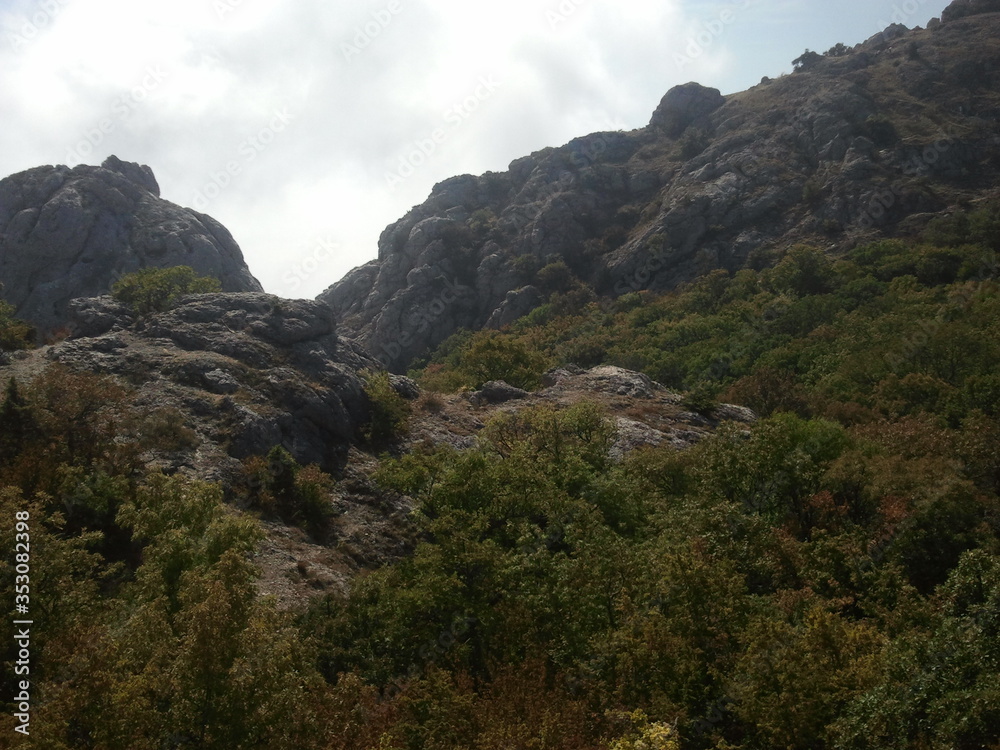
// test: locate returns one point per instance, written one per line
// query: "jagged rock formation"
(248, 371)
(864, 142)
(68, 233)
(243, 373)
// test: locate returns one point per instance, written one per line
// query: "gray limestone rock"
(497, 392)
(405, 387)
(70, 233)
(685, 105)
(823, 157)
(516, 304)
(249, 369)
(630, 435)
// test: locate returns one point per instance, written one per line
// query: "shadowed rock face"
(68, 233)
(861, 145)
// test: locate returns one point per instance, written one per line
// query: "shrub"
(153, 290)
(555, 277)
(313, 510)
(389, 411)
(278, 486)
(14, 334)
(483, 223)
(17, 423)
(648, 736)
(166, 429)
(806, 60)
(692, 143)
(494, 357)
(812, 191)
(803, 271)
(701, 399)
(526, 266)
(431, 402)
(768, 390)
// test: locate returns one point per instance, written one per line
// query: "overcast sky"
(307, 127)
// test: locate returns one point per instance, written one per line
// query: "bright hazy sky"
(307, 127)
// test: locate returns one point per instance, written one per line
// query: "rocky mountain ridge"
(861, 142)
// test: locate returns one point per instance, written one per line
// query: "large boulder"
(68, 233)
(684, 105)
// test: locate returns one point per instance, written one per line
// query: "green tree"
(279, 487)
(199, 658)
(775, 469)
(153, 290)
(492, 356)
(803, 271)
(806, 60)
(940, 686)
(17, 424)
(14, 334)
(795, 679)
(388, 411)
(555, 277)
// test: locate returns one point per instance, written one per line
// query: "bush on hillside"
(153, 290)
(14, 334)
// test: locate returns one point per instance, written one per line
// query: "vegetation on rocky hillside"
(825, 575)
(891, 329)
(14, 334)
(152, 290)
(824, 578)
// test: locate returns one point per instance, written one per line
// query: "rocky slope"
(68, 233)
(244, 372)
(858, 143)
(644, 412)
(234, 375)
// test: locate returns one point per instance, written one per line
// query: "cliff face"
(68, 233)
(859, 143)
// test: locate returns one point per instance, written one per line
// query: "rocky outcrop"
(249, 371)
(497, 392)
(641, 411)
(69, 233)
(962, 8)
(863, 143)
(684, 106)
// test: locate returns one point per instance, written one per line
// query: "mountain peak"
(140, 174)
(71, 232)
(962, 8)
